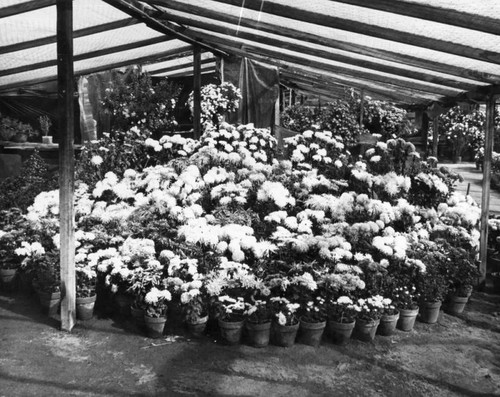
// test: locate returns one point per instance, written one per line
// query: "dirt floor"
(459, 356)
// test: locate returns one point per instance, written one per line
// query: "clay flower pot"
(407, 319)
(429, 312)
(340, 333)
(197, 328)
(8, 277)
(155, 326)
(311, 333)
(284, 335)
(387, 325)
(366, 330)
(258, 333)
(85, 307)
(231, 331)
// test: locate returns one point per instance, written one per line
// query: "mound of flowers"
(223, 224)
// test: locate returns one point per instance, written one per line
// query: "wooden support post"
(277, 111)
(196, 92)
(485, 197)
(424, 131)
(66, 89)
(362, 108)
(435, 136)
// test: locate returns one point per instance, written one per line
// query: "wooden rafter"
(77, 33)
(278, 54)
(135, 12)
(289, 32)
(183, 65)
(393, 35)
(159, 57)
(189, 72)
(405, 94)
(401, 71)
(25, 7)
(433, 13)
(87, 55)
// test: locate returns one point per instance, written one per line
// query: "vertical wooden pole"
(65, 89)
(196, 92)
(485, 197)
(277, 111)
(435, 136)
(290, 97)
(424, 130)
(362, 108)
(221, 69)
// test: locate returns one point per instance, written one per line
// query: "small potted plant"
(9, 262)
(312, 321)
(341, 319)
(86, 278)
(389, 319)
(368, 319)
(432, 287)
(285, 321)
(258, 322)
(47, 281)
(405, 299)
(45, 124)
(155, 316)
(231, 312)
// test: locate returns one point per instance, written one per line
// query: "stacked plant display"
(224, 228)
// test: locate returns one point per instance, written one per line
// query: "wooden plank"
(435, 136)
(179, 66)
(77, 33)
(284, 31)
(485, 197)
(65, 88)
(196, 92)
(250, 50)
(448, 16)
(160, 57)
(257, 36)
(153, 23)
(25, 7)
(303, 15)
(88, 55)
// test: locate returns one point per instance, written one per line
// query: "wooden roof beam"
(329, 21)
(287, 32)
(87, 55)
(180, 66)
(25, 7)
(432, 13)
(278, 54)
(135, 12)
(77, 33)
(159, 57)
(380, 67)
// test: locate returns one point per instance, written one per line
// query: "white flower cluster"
(275, 192)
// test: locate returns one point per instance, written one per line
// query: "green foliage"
(116, 153)
(13, 129)
(134, 101)
(20, 191)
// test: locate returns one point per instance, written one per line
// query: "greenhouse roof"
(412, 52)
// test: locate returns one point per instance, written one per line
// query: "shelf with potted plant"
(45, 124)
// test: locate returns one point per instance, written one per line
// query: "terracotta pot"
(387, 325)
(8, 277)
(47, 139)
(429, 312)
(311, 333)
(25, 283)
(258, 334)
(231, 331)
(407, 319)
(366, 330)
(197, 328)
(340, 333)
(50, 302)
(456, 304)
(155, 326)
(284, 335)
(85, 307)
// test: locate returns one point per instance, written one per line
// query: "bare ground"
(459, 356)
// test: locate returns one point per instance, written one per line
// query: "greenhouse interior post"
(66, 161)
(485, 197)
(196, 92)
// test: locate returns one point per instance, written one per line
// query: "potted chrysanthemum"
(258, 322)
(86, 278)
(368, 319)
(231, 318)
(341, 319)
(285, 321)
(155, 315)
